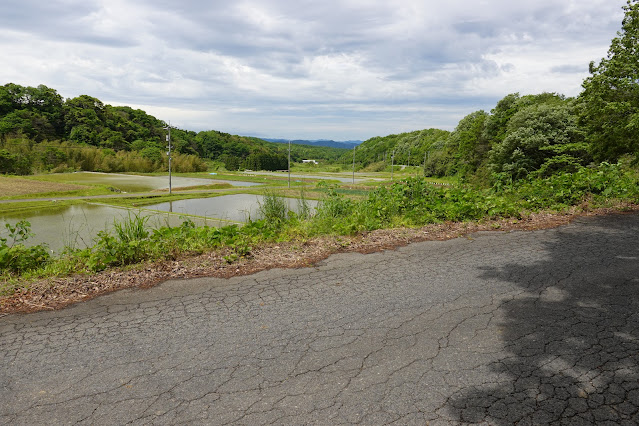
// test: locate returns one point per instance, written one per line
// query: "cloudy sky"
(333, 69)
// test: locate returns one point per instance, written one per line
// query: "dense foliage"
(610, 99)
(415, 202)
(14, 256)
(404, 148)
(532, 135)
(240, 152)
(40, 131)
(411, 202)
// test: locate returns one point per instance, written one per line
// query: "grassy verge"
(412, 202)
(12, 187)
(26, 206)
(210, 187)
(161, 197)
(230, 176)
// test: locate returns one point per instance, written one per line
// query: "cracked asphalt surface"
(499, 328)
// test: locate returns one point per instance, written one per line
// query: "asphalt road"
(501, 328)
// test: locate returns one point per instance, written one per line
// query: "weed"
(411, 202)
(273, 209)
(133, 228)
(14, 256)
(129, 245)
(303, 208)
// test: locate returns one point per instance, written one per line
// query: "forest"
(42, 132)
(537, 135)
(530, 154)
(523, 136)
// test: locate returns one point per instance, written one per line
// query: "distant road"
(498, 328)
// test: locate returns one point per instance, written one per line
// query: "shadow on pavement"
(571, 339)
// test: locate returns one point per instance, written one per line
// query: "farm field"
(14, 186)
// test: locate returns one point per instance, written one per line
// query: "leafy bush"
(415, 202)
(129, 245)
(608, 181)
(14, 256)
(273, 209)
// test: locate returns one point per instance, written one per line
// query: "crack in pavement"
(498, 328)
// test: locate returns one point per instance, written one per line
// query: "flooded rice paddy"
(78, 225)
(237, 207)
(135, 183)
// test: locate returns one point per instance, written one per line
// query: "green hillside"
(407, 148)
(41, 131)
(522, 137)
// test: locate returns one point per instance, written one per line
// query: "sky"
(321, 69)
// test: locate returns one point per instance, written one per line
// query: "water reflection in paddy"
(78, 225)
(238, 207)
(135, 183)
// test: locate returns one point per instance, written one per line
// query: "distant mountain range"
(318, 142)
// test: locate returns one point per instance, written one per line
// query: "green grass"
(408, 203)
(230, 176)
(46, 186)
(26, 206)
(53, 194)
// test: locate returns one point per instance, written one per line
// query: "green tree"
(152, 153)
(495, 126)
(610, 99)
(541, 137)
(469, 141)
(14, 163)
(35, 112)
(84, 119)
(52, 157)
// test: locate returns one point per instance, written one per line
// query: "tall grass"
(132, 228)
(304, 210)
(412, 202)
(273, 209)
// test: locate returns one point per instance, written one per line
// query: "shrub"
(273, 209)
(14, 256)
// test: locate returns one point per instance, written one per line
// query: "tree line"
(41, 131)
(522, 136)
(534, 135)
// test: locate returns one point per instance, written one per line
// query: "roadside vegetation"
(409, 203)
(530, 153)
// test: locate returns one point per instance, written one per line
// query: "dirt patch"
(56, 293)
(10, 187)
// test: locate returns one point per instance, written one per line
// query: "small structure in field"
(310, 161)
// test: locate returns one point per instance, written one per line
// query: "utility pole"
(289, 163)
(354, 164)
(168, 139)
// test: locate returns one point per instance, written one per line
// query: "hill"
(36, 122)
(408, 148)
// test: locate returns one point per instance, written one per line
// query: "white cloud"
(306, 69)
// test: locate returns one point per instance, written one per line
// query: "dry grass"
(13, 186)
